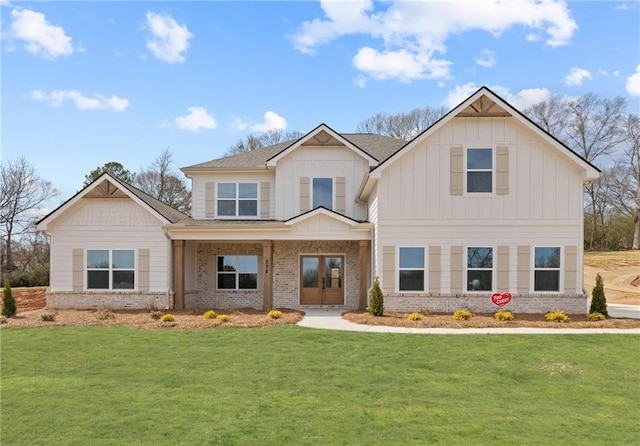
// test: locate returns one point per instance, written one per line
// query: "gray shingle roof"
(171, 214)
(378, 146)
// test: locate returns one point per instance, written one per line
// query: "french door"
(322, 280)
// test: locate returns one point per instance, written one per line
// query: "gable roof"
(476, 105)
(378, 147)
(123, 189)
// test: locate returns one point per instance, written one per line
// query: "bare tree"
(405, 125)
(162, 183)
(113, 168)
(269, 138)
(22, 194)
(632, 130)
(550, 114)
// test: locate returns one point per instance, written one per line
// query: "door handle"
(324, 287)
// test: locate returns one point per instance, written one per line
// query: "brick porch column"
(178, 274)
(363, 268)
(267, 270)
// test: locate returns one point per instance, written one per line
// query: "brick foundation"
(112, 300)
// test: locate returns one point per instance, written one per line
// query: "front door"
(321, 280)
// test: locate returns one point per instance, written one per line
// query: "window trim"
(237, 200)
(424, 269)
(333, 191)
(110, 269)
(238, 272)
(493, 270)
(560, 270)
(467, 170)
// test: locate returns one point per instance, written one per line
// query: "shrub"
(595, 316)
(47, 316)
(503, 315)
(9, 308)
(598, 301)
(557, 316)
(167, 318)
(210, 314)
(105, 315)
(462, 315)
(376, 299)
(155, 314)
(415, 316)
(274, 314)
(3, 319)
(223, 317)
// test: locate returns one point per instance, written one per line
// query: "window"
(237, 272)
(411, 269)
(479, 269)
(546, 269)
(237, 199)
(323, 192)
(110, 269)
(479, 170)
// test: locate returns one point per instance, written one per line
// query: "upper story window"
(546, 269)
(237, 199)
(411, 269)
(322, 193)
(110, 269)
(479, 269)
(479, 170)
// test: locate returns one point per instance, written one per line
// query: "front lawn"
(292, 385)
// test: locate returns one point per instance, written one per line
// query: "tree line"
(598, 129)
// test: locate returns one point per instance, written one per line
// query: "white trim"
(237, 273)
(424, 269)
(237, 200)
(110, 270)
(465, 275)
(560, 269)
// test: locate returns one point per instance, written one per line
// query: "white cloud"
(197, 119)
(576, 76)
(521, 100)
(487, 58)
(237, 124)
(633, 83)
(360, 81)
(98, 102)
(414, 34)
(169, 40)
(40, 37)
(272, 121)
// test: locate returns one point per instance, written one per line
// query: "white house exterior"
(483, 202)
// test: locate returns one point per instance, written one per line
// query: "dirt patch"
(438, 320)
(620, 272)
(30, 298)
(191, 319)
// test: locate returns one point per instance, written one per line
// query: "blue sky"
(85, 83)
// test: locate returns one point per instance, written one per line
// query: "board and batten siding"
(346, 167)
(541, 184)
(109, 224)
(203, 193)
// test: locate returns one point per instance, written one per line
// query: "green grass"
(291, 385)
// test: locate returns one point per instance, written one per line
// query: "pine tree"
(598, 301)
(8, 302)
(376, 299)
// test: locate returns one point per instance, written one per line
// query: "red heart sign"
(501, 299)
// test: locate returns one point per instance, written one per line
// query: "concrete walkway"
(331, 319)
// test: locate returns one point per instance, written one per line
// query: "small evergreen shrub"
(595, 316)
(414, 316)
(223, 317)
(274, 314)
(598, 301)
(556, 316)
(3, 319)
(462, 315)
(167, 318)
(210, 314)
(155, 314)
(47, 316)
(503, 316)
(9, 308)
(376, 299)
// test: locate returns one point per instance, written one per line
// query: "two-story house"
(482, 202)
